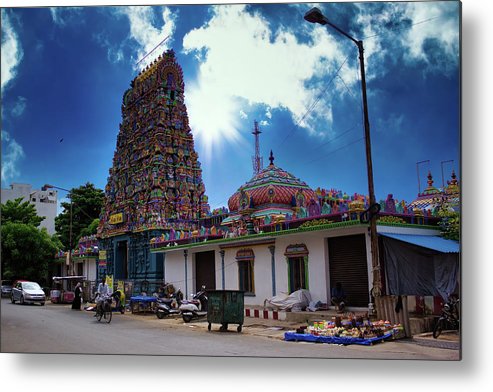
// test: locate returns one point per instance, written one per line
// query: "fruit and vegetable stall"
(347, 331)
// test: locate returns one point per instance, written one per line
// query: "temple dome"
(271, 187)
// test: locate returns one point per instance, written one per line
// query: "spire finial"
(430, 179)
(271, 158)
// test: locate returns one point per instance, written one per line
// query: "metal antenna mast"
(417, 169)
(258, 161)
(443, 180)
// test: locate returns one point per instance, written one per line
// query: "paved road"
(58, 329)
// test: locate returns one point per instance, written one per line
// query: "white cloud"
(63, 16)
(19, 106)
(243, 115)
(114, 53)
(12, 153)
(444, 30)
(144, 31)
(246, 63)
(426, 32)
(392, 124)
(12, 52)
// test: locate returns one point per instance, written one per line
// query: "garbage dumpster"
(225, 307)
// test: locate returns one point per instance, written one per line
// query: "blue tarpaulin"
(346, 340)
(427, 241)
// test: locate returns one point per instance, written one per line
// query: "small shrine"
(432, 198)
(155, 185)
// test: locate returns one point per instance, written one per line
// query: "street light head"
(46, 186)
(315, 16)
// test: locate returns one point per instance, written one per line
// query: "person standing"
(76, 303)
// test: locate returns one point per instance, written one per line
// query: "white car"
(27, 293)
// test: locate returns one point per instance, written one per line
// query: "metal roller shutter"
(347, 264)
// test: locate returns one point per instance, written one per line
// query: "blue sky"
(64, 71)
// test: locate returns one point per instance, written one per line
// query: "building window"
(297, 260)
(245, 259)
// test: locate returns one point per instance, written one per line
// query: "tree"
(27, 251)
(449, 224)
(91, 229)
(17, 211)
(87, 201)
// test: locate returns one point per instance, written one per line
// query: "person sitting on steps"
(338, 297)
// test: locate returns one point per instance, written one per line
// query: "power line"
(336, 150)
(336, 137)
(403, 27)
(314, 104)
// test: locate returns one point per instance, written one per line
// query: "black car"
(6, 288)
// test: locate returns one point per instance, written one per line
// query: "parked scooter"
(196, 307)
(168, 306)
(449, 317)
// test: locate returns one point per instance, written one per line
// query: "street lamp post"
(48, 186)
(316, 16)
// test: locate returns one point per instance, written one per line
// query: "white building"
(284, 237)
(45, 202)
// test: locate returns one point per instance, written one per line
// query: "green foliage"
(91, 229)
(27, 251)
(449, 224)
(87, 201)
(17, 211)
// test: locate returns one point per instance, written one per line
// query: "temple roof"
(432, 197)
(273, 186)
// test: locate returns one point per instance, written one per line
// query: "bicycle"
(104, 310)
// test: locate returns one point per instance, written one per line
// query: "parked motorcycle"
(196, 307)
(168, 306)
(449, 319)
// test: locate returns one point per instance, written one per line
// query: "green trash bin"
(225, 307)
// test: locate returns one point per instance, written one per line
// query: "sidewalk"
(275, 329)
(448, 339)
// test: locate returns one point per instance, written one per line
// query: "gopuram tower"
(155, 185)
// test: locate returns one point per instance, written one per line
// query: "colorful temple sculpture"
(155, 186)
(432, 198)
(272, 193)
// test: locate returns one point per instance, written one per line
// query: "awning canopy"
(432, 242)
(420, 264)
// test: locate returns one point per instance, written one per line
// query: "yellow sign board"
(102, 255)
(109, 281)
(116, 218)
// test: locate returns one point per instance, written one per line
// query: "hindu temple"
(155, 185)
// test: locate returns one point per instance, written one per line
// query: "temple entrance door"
(121, 260)
(205, 270)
